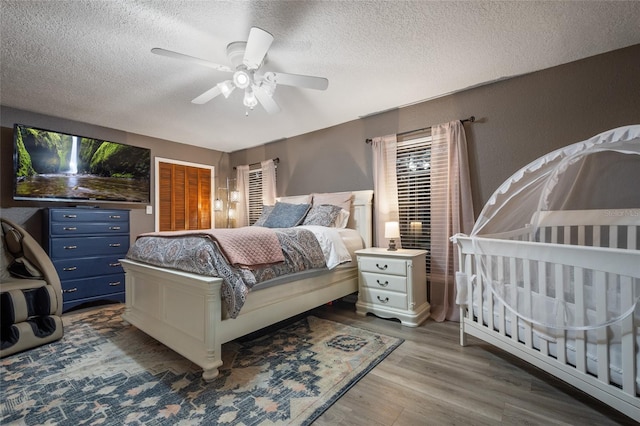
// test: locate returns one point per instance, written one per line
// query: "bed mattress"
(549, 338)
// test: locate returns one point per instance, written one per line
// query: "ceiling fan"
(247, 58)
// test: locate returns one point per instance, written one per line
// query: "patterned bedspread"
(201, 255)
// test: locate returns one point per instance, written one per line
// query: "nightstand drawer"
(382, 265)
(384, 282)
(387, 299)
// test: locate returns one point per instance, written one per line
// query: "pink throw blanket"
(247, 247)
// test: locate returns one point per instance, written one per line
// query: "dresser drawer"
(384, 282)
(90, 287)
(89, 246)
(88, 215)
(386, 299)
(382, 265)
(70, 269)
(86, 228)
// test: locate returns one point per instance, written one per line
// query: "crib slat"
(567, 234)
(528, 302)
(489, 301)
(561, 353)
(501, 308)
(581, 309)
(596, 236)
(581, 235)
(628, 340)
(613, 236)
(480, 285)
(542, 279)
(513, 278)
(600, 291)
(631, 238)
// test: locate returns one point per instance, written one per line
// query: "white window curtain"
(451, 213)
(242, 186)
(385, 186)
(268, 182)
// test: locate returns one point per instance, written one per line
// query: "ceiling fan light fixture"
(250, 100)
(226, 87)
(241, 79)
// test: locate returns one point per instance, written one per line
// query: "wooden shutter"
(185, 197)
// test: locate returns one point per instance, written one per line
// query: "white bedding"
(331, 241)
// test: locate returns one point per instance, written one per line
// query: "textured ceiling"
(90, 61)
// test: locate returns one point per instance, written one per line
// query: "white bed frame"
(184, 310)
(493, 324)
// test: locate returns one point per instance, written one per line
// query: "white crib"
(597, 250)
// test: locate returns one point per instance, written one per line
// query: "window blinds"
(255, 195)
(414, 175)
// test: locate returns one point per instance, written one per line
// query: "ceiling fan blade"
(265, 99)
(305, 81)
(207, 96)
(181, 56)
(257, 46)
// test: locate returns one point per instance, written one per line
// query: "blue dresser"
(85, 246)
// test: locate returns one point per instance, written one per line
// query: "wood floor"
(431, 380)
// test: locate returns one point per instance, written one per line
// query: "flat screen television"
(55, 166)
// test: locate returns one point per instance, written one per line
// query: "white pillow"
(342, 220)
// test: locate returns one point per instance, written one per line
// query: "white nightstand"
(393, 284)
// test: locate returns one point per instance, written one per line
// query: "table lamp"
(391, 232)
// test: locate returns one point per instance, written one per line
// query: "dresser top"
(380, 251)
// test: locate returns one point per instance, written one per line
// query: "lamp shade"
(391, 230)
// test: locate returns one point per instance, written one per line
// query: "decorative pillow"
(322, 215)
(342, 220)
(285, 215)
(295, 199)
(266, 211)
(342, 199)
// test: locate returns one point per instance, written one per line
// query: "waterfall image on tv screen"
(62, 167)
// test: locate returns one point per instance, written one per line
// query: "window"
(413, 171)
(255, 194)
(417, 189)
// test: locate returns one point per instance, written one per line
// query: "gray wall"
(28, 212)
(519, 120)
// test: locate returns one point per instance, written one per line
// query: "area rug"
(104, 371)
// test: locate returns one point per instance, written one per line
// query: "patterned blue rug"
(109, 373)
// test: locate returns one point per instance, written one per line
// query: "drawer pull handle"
(114, 245)
(114, 228)
(70, 247)
(385, 300)
(384, 284)
(114, 264)
(382, 268)
(114, 216)
(115, 284)
(70, 268)
(70, 228)
(70, 216)
(71, 290)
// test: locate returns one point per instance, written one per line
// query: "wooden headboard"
(361, 217)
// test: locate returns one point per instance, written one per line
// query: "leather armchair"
(31, 300)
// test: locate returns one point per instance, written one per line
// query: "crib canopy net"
(601, 175)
